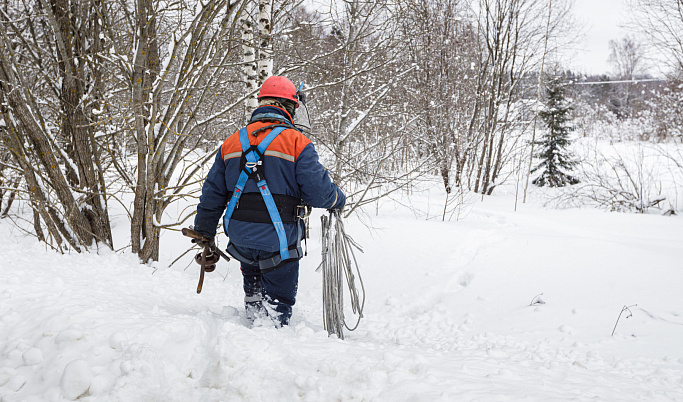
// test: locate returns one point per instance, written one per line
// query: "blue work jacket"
(291, 167)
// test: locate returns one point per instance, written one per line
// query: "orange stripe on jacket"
(290, 142)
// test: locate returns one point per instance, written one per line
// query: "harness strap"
(237, 193)
(270, 263)
(275, 217)
(253, 160)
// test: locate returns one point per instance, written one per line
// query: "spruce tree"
(555, 158)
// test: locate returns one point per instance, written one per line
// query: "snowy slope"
(447, 317)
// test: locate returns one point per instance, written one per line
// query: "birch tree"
(251, 75)
(265, 30)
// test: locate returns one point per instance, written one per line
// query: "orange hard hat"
(278, 87)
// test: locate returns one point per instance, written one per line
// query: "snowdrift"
(500, 305)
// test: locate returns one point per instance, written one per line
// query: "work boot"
(253, 306)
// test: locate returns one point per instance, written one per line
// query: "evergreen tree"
(555, 158)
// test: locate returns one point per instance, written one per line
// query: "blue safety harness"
(252, 168)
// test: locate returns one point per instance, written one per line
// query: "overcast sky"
(602, 19)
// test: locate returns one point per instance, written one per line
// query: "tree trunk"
(145, 69)
(163, 94)
(265, 28)
(75, 219)
(250, 64)
(14, 140)
(76, 124)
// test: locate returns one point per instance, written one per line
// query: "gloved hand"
(302, 98)
(335, 211)
(204, 242)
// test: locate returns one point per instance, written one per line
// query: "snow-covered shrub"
(630, 176)
(590, 119)
(667, 113)
(660, 121)
(636, 128)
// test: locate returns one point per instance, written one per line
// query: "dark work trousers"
(277, 288)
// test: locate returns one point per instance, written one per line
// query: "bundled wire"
(338, 264)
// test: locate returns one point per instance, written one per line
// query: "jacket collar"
(271, 110)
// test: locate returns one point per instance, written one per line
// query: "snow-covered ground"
(448, 315)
